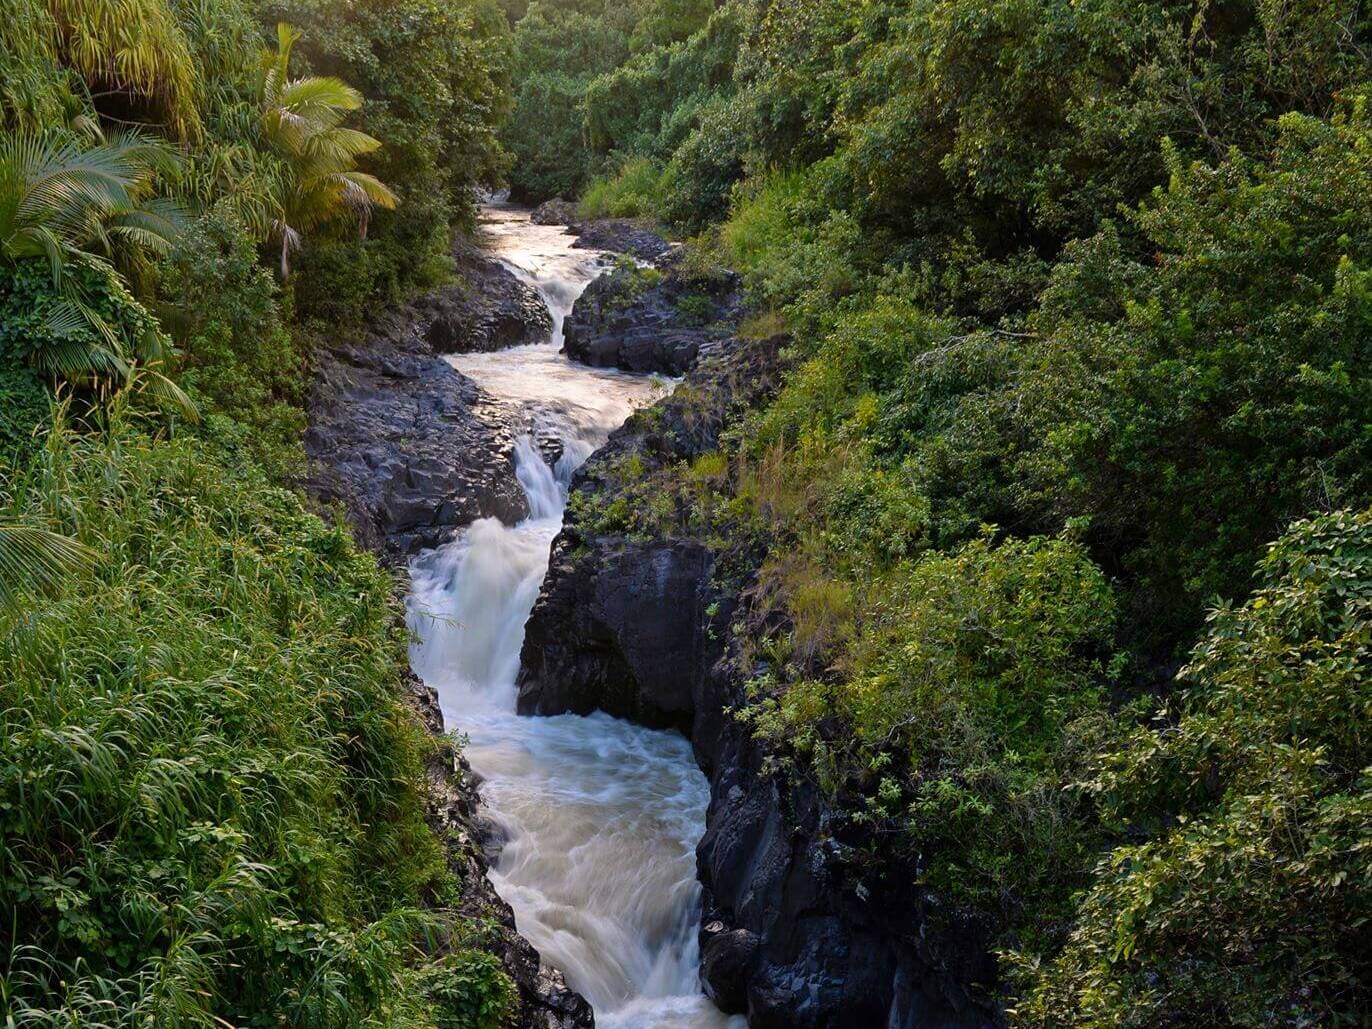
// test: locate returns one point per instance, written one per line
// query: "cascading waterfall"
(600, 818)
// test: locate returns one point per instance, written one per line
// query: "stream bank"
(413, 451)
(639, 623)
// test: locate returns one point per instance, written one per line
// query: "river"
(600, 817)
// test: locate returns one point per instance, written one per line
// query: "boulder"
(620, 236)
(489, 308)
(652, 319)
(554, 212)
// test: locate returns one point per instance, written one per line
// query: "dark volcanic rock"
(621, 625)
(637, 617)
(620, 236)
(554, 212)
(795, 932)
(651, 320)
(728, 962)
(404, 443)
(409, 447)
(490, 309)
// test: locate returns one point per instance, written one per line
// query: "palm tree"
(37, 558)
(302, 119)
(75, 208)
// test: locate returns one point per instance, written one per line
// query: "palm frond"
(36, 559)
(167, 393)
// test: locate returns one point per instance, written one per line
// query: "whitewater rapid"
(599, 817)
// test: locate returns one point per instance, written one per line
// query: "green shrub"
(211, 793)
(544, 134)
(23, 404)
(29, 336)
(703, 170)
(1192, 404)
(238, 357)
(762, 222)
(1250, 902)
(635, 191)
(470, 990)
(973, 684)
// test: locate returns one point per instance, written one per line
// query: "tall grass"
(634, 192)
(211, 802)
(762, 221)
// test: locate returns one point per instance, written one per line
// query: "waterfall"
(599, 817)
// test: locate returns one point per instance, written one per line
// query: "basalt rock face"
(796, 931)
(652, 320)
(490, 308)
(409, 447)
(621, 236)
(546, 1002)
(623, 625)
(405, 444)
(614, 235)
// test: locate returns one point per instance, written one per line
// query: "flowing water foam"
(600, 818)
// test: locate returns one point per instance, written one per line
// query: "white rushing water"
(601, 817)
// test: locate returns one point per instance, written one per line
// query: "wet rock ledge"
(409, 447)
(661, 318)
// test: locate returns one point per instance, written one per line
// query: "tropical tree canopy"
(302, 119)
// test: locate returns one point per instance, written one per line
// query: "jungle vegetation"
(212, 790)
(1065, 499)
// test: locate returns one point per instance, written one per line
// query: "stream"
(600, 818)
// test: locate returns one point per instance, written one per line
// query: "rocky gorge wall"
(793, 932)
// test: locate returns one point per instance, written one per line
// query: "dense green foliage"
(212, 803)
(212, 782)
(562, 49)
(1082, 323)
(1260, 797)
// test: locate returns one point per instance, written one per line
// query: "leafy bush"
(1251, 900)
(545, 136)
(762, 222)
(557, 48)
(23, 400)
(971, 683)
(1191, 403)
(635, 192)
(238, 357)
(212, 795)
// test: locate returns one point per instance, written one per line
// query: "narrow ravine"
(600, 817)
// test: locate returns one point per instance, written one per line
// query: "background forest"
(1065, 500)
